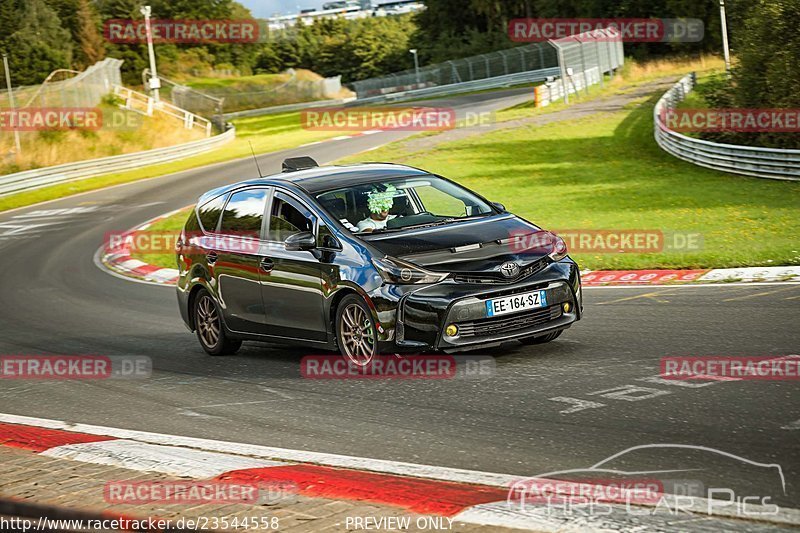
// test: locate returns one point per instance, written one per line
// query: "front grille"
(509, 324)
(497, 277)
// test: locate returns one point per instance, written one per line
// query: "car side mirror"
(302, 241)
(499, 206)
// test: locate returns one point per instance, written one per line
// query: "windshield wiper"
(430, 224)
(442, 222)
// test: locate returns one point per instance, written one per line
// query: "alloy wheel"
(208, 323)
(357, 334)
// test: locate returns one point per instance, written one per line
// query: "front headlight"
(559, 248)
(396, 271)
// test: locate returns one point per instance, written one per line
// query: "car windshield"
(402, 203)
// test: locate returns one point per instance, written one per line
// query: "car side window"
(325, 238)
(286, 219)
(209, 212)
(244, 213)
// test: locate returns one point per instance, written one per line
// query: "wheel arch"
(193, 292)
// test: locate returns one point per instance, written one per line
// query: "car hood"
(476, 246)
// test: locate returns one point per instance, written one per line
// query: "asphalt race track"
(571, 404)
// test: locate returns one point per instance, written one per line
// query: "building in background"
(348, 9)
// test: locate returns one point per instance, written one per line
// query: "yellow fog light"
(567, 307)
(451, 330)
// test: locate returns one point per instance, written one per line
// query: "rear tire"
(543, 339)
(355, 331)
(209, 328)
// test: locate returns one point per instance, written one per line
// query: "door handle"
(211, 257)
(266, 264)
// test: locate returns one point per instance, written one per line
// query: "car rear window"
(244, 213)
(210, 211)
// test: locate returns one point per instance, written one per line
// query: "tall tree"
(91, 45)
(82, 21)
(38, 44)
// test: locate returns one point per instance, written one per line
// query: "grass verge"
(269, 133)
(170, 225)
(605, 172)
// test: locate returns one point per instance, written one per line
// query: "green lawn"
(606, 172)
(267, 133)
(258, 81)
(170, 225)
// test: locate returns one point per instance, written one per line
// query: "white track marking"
(751, 273)
(670, 516)
(578, 404)
(793, 426)
(131, 264)
(165, 274)
(175, 454)
(99, 264)
(67, 211)
(154, 458)
(694, 285)
(282, 454)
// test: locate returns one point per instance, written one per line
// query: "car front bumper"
(424, 313)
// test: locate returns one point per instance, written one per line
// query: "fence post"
(560, 55)
(611, 66)
(599, 64)
(583, 66)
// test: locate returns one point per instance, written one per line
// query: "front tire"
(355, 331)
(209, 328)
(543, 339)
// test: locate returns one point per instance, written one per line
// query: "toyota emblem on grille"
(509, 269)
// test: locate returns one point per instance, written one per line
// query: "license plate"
(516, 303)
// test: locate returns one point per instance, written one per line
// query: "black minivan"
(369, 259)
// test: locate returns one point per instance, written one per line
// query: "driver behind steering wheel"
(379, 204)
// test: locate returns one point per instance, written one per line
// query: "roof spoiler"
(294, 164)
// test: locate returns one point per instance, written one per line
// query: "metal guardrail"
(274, 110)
(42, 177)
(771, 163)
(478, 85)
(143, 104)
(559, 58)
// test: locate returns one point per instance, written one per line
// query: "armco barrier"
(41, 177)
(752, 161)
(468, 86)
(287, 108)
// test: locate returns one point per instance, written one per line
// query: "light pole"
(12, 104)
(155, 83)
(416, 63)
(726, 50)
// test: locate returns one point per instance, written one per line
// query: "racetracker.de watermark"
(733, 120)
(126, 31)
(362, 119)
(74, 367)
(168, 241)
(584, 492)
(68, 118)
(609, 241)
(784, 368)
(197, 492)
(434, 366)
(629, 30)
